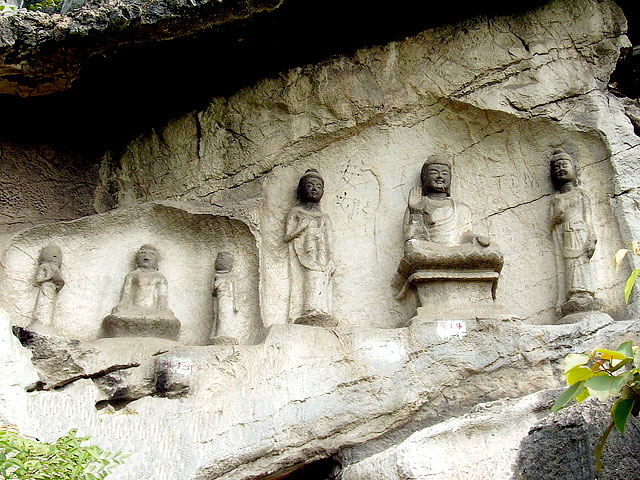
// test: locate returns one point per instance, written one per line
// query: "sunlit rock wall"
(496, 95)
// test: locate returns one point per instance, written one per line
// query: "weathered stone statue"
(143, 310)
(432, 216)
(309, 234)
(573, 236)
(49, 280)
(454, 270)
(227, 328)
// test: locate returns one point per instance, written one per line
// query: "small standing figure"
(573, 235)
(49, 280)
(143, 310)
(309, 234)
(227, 328)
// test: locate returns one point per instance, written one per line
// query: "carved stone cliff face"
(496, 95)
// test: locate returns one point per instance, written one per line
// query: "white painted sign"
(448, 328)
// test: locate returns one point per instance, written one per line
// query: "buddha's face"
(51, 254)
(313, 189)
(147, 259)
(438, 178)
(563, 171)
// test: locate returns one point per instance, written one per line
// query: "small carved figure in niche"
(227, 327)
(49, 280)
(432, 215)
(309, 234)
(573, 235)
(143, 309)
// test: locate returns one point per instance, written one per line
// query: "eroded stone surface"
(99, 253)
(498, 96)
(40, 184)
(240, 400)
(42, 53)
(479, 445)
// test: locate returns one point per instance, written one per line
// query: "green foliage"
(47, 6)
(605, 374)
(7, 9)
(29, 459)
(633, 277)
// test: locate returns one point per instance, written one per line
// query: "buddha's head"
(563, 169)
(436, 175)
(224, 262)
(310, 187)
(147, 257)
(51, 254)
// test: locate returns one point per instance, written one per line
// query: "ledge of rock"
(260, 410)
(42, 53)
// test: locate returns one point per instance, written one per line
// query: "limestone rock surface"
(479, 445)
(561, 446)
(303, 395)
(497, 95)
(41, 53)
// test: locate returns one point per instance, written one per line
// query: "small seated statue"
(441, 250)
(143, 310)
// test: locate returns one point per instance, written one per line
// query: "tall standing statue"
(49, 280)
(309, 234)
(573, 235)
(143, 309)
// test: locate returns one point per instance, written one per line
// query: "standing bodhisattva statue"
(308, 233)
(228, 327)
(573, 235)
(49, 281)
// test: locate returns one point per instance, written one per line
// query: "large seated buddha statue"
(454, 269)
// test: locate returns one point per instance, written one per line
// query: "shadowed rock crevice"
(562, 446)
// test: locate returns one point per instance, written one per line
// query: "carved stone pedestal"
(455, 295)
(119, 326)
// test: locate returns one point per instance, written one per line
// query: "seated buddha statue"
(454, 270)
(438, 230)
(143, 310)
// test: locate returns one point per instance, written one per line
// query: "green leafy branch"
(7, 9)
(633, 277)
(605, 374)
(29, 459)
